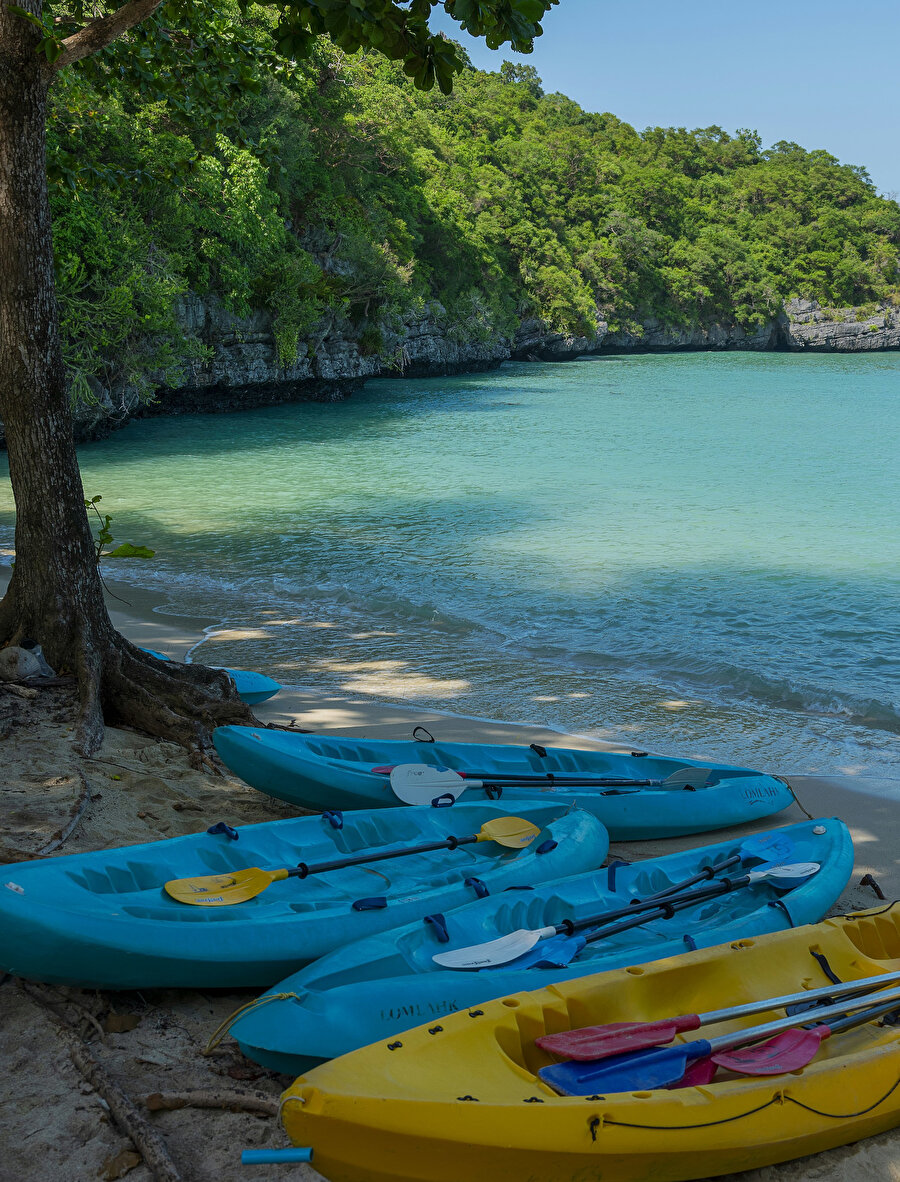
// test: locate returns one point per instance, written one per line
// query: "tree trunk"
(55, 595)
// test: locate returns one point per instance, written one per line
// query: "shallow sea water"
(700, 552)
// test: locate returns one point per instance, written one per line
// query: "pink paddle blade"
(616, 1038)
(785, 1052)
(701, 1071)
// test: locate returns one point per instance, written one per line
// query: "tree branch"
(103, 31)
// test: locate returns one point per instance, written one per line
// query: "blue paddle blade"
(768, 847)
(658, 1067)
(555, 953)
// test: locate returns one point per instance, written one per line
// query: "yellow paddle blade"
(510, 831)
(222, 890)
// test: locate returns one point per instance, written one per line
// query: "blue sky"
(823, 73)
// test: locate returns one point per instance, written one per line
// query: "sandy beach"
(54, 1125)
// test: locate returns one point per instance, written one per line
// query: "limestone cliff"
(241, 368)
(807, 326)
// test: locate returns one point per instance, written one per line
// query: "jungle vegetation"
(336, 192)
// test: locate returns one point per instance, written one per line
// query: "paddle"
(417, 783)
(218, 890)
(661, 1067)
(516, 944)
(618, 1038)
(786, 1052)
(561, 950)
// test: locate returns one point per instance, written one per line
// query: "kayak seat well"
(120, 880)
(878, 936)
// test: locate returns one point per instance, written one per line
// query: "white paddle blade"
(494, 952)
(789, 874)
(416, 783)
(695, 776)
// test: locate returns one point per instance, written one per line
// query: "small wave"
(728, 682)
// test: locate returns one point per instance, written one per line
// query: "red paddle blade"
(616, 1038)
(788, 1051)
(701, 1071)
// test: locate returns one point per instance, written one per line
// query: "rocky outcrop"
(657, 337)
(805, 325)
(241, 370)
(801, 325)
(534, 343)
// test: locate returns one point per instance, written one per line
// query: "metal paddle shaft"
(616, 1038)
(220, 890)
(509, 947)
(661, 1067)
(792, 1049)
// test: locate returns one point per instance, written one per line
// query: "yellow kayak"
(460, 1098)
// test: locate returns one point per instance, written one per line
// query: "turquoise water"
(698, 551)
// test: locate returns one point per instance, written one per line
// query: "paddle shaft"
(847, 988)
(637, 906)
(566, 779)
(663, 1067)
(706, 874)
(660, 901)
(727, 1042)
(624, 1037)
(666, 909)
(449, 843)
(502, 779)
(753, 848)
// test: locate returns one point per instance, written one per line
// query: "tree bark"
(55, 594)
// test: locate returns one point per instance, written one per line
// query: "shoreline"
(868, 805)
(139, 790)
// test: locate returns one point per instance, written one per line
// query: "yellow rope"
(222, 1029)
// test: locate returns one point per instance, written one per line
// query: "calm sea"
(700, 552)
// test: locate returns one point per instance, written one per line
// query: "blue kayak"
(103, 920)
(378, 987)
(252, 688)
(327, 771)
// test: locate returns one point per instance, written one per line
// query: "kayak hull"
(326, 771)
(466, 1101)
(377, 987)
(103, 920)
(251, 687)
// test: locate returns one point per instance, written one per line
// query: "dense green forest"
(337, 191)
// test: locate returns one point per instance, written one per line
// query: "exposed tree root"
(232, 1101)
(78, 811)
(146, 1139)
(169, 700)
(118, 682)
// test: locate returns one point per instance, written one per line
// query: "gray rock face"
(534, 342)
(665, 338)
(805, 325)
(243, 370)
